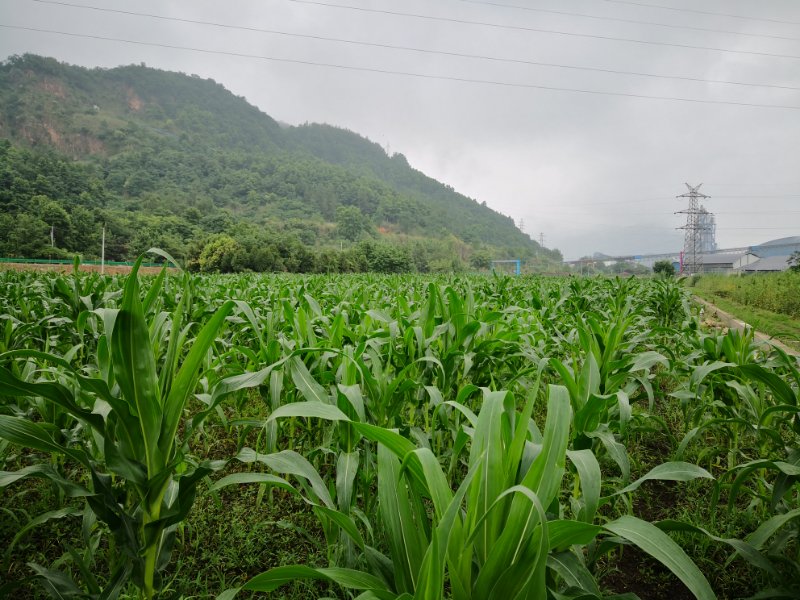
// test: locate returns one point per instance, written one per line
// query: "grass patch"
(775, 292)
(782, 327)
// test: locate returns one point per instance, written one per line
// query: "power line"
(760, 228)
(716, 212)
(774, 183)
(729, 211)
(405, 73)
(761, 196)
(411, 48)
(662, 199)
(667, 230)
(540, 30)
(630, 21)
(701, 12)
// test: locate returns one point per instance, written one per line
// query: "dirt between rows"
(61, 268)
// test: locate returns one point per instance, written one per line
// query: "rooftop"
(787, 241)
(771, 263)
(720, 258)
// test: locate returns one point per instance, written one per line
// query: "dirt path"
(64, 268)
(731, 322)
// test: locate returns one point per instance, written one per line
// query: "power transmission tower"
(541, 239)
(692, 241)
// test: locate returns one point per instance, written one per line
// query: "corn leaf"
(660, 546)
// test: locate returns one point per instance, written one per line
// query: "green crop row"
(459, 437)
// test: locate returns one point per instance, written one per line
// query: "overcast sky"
(591, 172)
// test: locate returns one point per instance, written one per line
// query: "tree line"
(51, 207)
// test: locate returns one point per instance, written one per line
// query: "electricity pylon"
(692, 240)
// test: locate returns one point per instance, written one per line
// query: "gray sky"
(591, 172)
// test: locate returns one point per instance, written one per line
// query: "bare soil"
(66, 268)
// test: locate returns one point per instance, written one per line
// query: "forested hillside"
(179, 162)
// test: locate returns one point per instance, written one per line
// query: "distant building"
(720, 262)
(780, 247)
(768, 257)
(747, 259)
(770, 264)
(649, 260)
(708, 231)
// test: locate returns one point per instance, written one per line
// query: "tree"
(259, 252)
(350, 222)
(24, 236)
(386, 258)
(216, 222)
(86, 232)
(665, 268)
(794, 261)
(219, 254)
(481, 259)
(51, 213)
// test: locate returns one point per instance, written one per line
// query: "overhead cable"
(623, 20)
(702, 12)
(415, 49)
(405, 73)
(541, 30)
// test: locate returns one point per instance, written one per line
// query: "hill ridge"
(174, 145)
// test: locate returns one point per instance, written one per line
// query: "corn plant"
(367, 398)
(139, 481)
(499, 534)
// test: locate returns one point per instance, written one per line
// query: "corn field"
(462, 437)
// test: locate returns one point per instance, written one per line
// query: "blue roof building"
(780, 247)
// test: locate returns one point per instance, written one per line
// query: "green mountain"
(177, 161)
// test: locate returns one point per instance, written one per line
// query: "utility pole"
(692, 262)
(103, 252)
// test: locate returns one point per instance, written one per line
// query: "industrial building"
(700, 253)
(707, 224)
(781, 247)
(770, 264)
(720, 262)
(768, 257)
